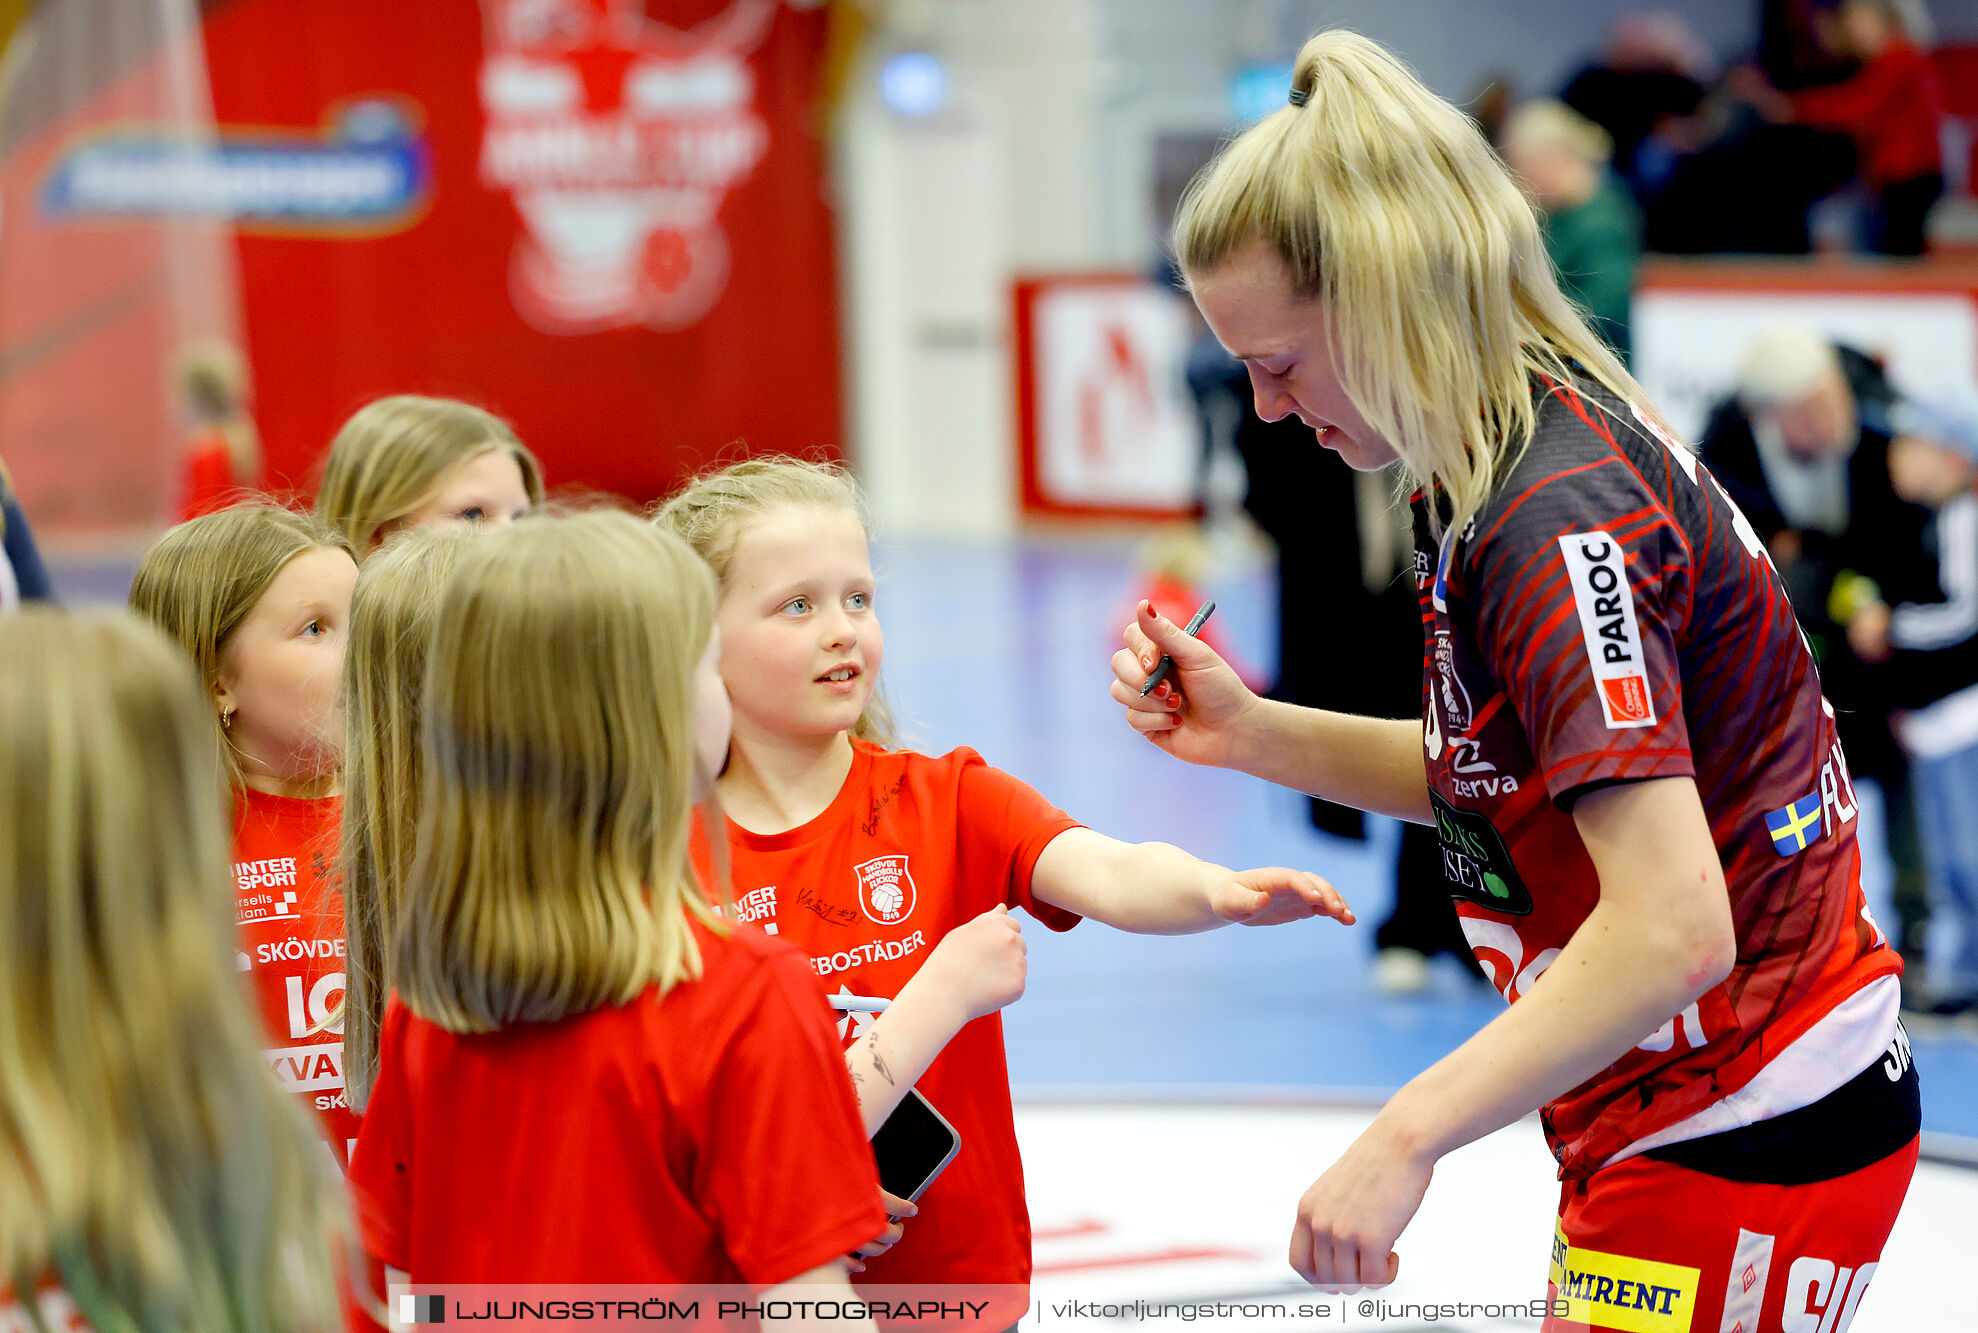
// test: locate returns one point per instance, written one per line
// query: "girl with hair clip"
(1646, 818)
(585, 1075)
(384, 684)
(409, 461)
(152, 1178)
(898, 871)
(259, 597)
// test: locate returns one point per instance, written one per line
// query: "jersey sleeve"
(786, 1175)
(1005, 825)
(380, 1168)
(1578, 587)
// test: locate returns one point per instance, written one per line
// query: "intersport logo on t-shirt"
(1607, 622)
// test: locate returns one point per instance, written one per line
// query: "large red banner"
(606, 220)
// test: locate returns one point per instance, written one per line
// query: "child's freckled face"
(800, 641)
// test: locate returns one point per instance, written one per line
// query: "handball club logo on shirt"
(1607, 621)
(886, 891)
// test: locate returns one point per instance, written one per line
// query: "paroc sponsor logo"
(1606, 608)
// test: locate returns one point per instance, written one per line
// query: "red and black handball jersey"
(1611, 617)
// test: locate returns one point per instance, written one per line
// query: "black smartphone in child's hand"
(913, 1146)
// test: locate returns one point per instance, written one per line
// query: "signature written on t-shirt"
(826, 910)
(878, 802)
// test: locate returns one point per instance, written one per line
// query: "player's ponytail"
(1390, 210)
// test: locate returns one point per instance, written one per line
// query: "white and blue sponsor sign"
(369, 170)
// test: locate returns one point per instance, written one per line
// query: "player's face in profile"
(800, 642)
(1251, 305)
(280, 669)
(486, 489)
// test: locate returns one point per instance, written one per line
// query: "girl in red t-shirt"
(875, 858)
(258, 596)
(150, 1174)
(584, 1075)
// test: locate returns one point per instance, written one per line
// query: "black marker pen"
(1166, 664)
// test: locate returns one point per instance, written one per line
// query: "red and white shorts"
(1647, 1246)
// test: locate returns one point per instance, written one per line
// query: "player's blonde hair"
(1425, 260)
(204, 577)
(392, 614)
(396, 451)
(552, 874)
(713, 510)
(147, 1160)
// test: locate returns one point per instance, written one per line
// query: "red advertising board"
(606, 220)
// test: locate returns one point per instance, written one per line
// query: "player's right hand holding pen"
(1197, 712)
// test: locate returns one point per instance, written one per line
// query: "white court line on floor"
(1156, 1200)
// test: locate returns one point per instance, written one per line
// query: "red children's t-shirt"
(209, 484)
(707, 1135)
(911, 848)
(291, 946)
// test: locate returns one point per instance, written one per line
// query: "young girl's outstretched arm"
(1151, 888)
(976, 969)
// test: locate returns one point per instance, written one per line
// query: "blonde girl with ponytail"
(584, 1075)
(409, 461)
(1621, 728)
(258, 597)
(152, 1177)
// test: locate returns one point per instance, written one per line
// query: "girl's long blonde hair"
(204, 577)
(1391, 212)
(392, 615)
(711, 512)
(394, 452)
(147, 1159)
(552, 874)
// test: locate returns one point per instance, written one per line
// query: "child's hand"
(897, 1211)
(981, 965)
(1273, 895)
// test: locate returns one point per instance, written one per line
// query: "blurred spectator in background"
(1803, 448)
(1491, 105)
(1644, 89)
(1592, 227)
(223, 448)
(1888, 106)
(1928, 631)
(23, 578)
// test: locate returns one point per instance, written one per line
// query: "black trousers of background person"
(1344, 647)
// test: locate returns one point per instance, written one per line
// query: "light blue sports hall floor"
(1005, 647)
